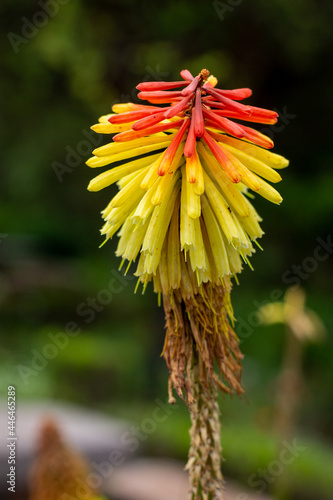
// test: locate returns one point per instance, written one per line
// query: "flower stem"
(205, 454)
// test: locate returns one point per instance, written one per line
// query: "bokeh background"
(57, 76)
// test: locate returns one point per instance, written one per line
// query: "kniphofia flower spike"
(186, 166)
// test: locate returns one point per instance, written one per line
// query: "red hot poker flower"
(185, 164)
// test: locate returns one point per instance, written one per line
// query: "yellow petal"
(198, 258)
(105, 118)
(110, 230)
(247, 177)
(131, 239)
(110, 176)
(255, 165)
(123, 107)
(174, 267)
(127, 179)
(162, 185)
(194, 173)
(120, 147)
(97, 161)
(272, 159)
(132, 188)
(165, 180)
(216, 240)
(193, 201)
(145, 207)
(268, 192)
(160, 219)
(124, 236)
(187, 231)
(163, 270)
(110, 128)
(229, 188)
(151, 176)
(240, 229)
(220, 209)
(235, 261)
(158, 226)
(252, 227)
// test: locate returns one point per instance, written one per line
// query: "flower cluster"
(183, 205)
(185, 168)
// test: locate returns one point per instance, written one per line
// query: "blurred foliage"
(250, 453)
(56, 79)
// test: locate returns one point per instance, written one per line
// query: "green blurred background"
(59, 72)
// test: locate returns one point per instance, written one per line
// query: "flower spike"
(186, 164)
